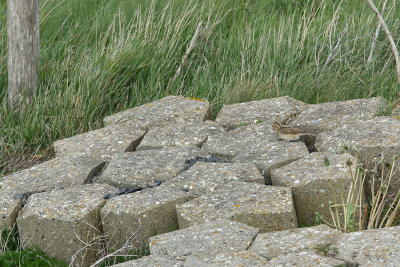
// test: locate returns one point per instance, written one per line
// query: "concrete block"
(268, 156)
(318, 118)
(101, 144)
(65, 223)
(229, 144)
(274, 244)
(201, 240)
(151, 261)
(163, 111)
(311, 183)
(236, 258)
(179, 134)
(52, 174)
(130, 220)
(305, 258)
(141, 168)
(268, 208)
(9, 208)
(206, 177)
(375, 247)
(280, 108)
(371, 140)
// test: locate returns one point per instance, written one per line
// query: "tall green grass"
(102, 56)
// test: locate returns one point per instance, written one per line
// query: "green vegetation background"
(99, 57)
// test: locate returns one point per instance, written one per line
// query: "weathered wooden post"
(23, 50)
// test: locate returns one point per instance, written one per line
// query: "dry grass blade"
(388, 35)
(383, 209)
(188, 50)
(378, 30)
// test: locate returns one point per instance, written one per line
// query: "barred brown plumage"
(288, 133)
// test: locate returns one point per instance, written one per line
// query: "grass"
(11, 254)
(99, 57)
(29, 258)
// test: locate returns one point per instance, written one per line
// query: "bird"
(288, 133)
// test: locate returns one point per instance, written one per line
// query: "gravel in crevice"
(190, 162)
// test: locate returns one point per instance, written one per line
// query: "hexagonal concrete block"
(52, 174)
(268, 156)
(311, 183)
(229, 144)
(305, 258)
(202, 240)
(328, 116)
(180, 134)
(280, 108)
(130, 220)
(9, 208)
(101, 144)
(375, 247)
(163, 111)
(151, 261)
(315, 239)
(236, 258)
(65, 223)
(267, 208)
(371, 140)
(206, 177)
(141, 168)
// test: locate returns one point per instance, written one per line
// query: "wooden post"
(23, 50)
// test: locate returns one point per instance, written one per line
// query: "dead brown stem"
(388, 35)
(378, 30)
